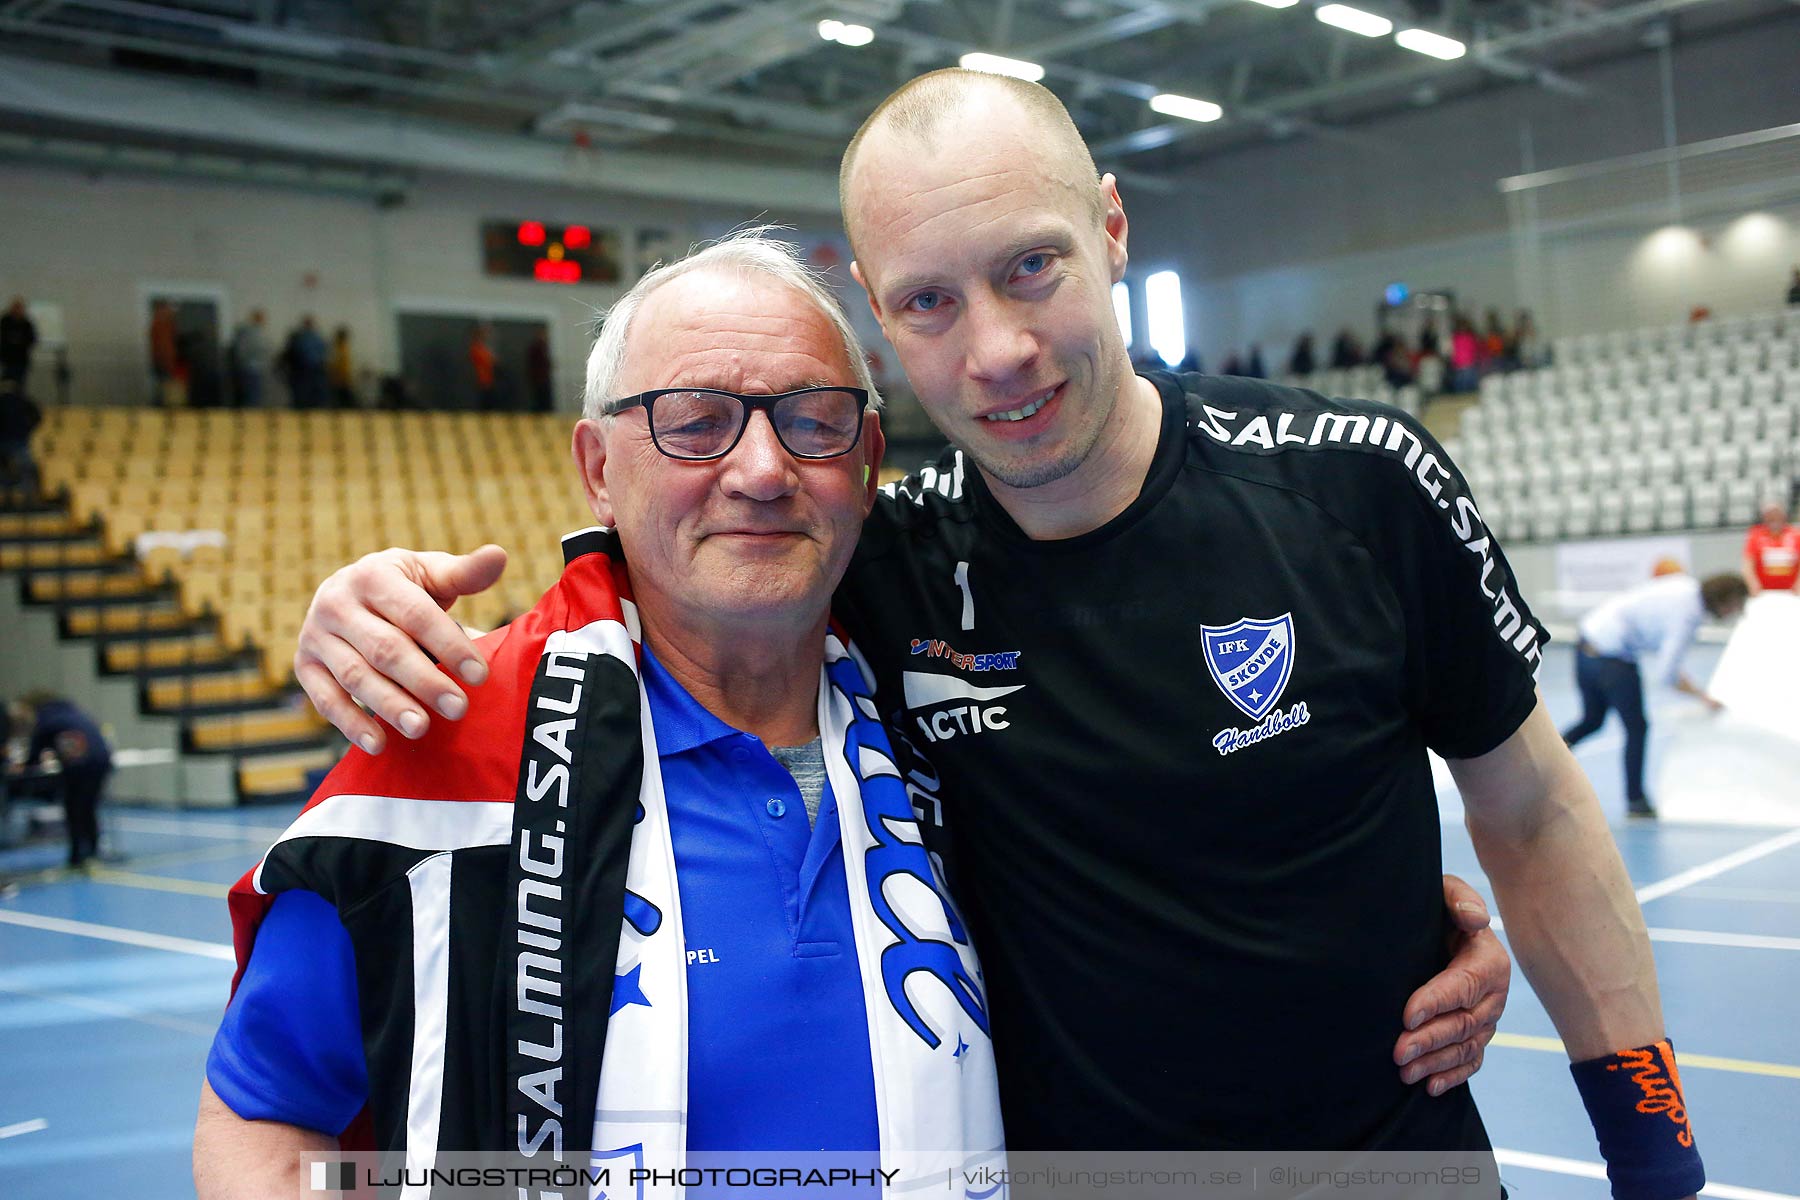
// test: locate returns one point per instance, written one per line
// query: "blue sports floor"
(110, 988)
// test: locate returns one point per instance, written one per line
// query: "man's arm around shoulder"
(235, 1159)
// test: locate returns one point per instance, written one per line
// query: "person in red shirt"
(1772, 553)
(481, 360)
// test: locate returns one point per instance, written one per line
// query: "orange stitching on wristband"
(1653, 1070)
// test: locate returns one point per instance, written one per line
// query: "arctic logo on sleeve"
(1251, 660)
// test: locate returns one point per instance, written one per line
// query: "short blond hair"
(924, 105)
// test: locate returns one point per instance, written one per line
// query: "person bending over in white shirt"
(1637, 638)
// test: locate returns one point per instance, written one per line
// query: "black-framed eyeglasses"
(695, 424)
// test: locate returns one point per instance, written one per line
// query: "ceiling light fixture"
(846, 33)
(1422, 41)
(994, 64)
(1186, 107)
(1354, 19)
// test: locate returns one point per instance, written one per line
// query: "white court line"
(1707, 937)
(1718, 866)
(1589, 1170)
(31, 1126)
(112, 933)
(122, 1012)
(1706, 870)
(211, 829)
(1767, 895)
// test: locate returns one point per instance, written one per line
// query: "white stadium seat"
(1633, 467)
(1671, 506)
(1640, 508)
(1695, 459)
(1611, 512)
(1762, 458)
(1741, 500)
(1547, 517)
(1582, 514)
(1743, 424)
(1708, 503)
(1727, 460)
(1779, 422)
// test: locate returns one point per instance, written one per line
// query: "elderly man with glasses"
(432, 958)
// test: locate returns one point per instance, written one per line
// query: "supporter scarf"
(482, 871)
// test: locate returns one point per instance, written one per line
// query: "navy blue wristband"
(1634, 1099)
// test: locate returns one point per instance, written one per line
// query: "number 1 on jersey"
(962, 581)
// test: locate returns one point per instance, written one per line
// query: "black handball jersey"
(1179, 765)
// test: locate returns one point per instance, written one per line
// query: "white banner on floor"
(1742, 765)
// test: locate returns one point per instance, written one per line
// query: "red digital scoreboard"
(550, 253)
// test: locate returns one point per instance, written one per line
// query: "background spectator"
(538, 372)
(17, 337)
(481, 362)
(249, 357)
(1794, 288)
(1395, 360)
(1496, 347)
(1465, 355)
(340, 370)
(1254, 368)
(1301, 361)
(1772, 553)
(18, 417)
(304, 357)
(1428, 339)
(197, 365)
(1346, 350)
(165, 357)
(1527, 350)
(62, 732)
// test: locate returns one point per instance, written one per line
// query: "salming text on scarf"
(482, 873)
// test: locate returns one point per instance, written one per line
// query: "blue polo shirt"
(778, 1040)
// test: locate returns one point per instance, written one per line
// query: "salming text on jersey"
(1276, 431)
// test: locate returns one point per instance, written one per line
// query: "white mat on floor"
(1743, 765)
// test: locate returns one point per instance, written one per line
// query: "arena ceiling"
(755, 83)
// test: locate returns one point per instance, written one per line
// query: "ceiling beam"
(1567, 27)
(339, 135)
(1127, 25)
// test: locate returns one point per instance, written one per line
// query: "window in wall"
(1168, 327)
(1122, 310)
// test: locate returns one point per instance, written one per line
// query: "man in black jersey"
(1169, 650)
